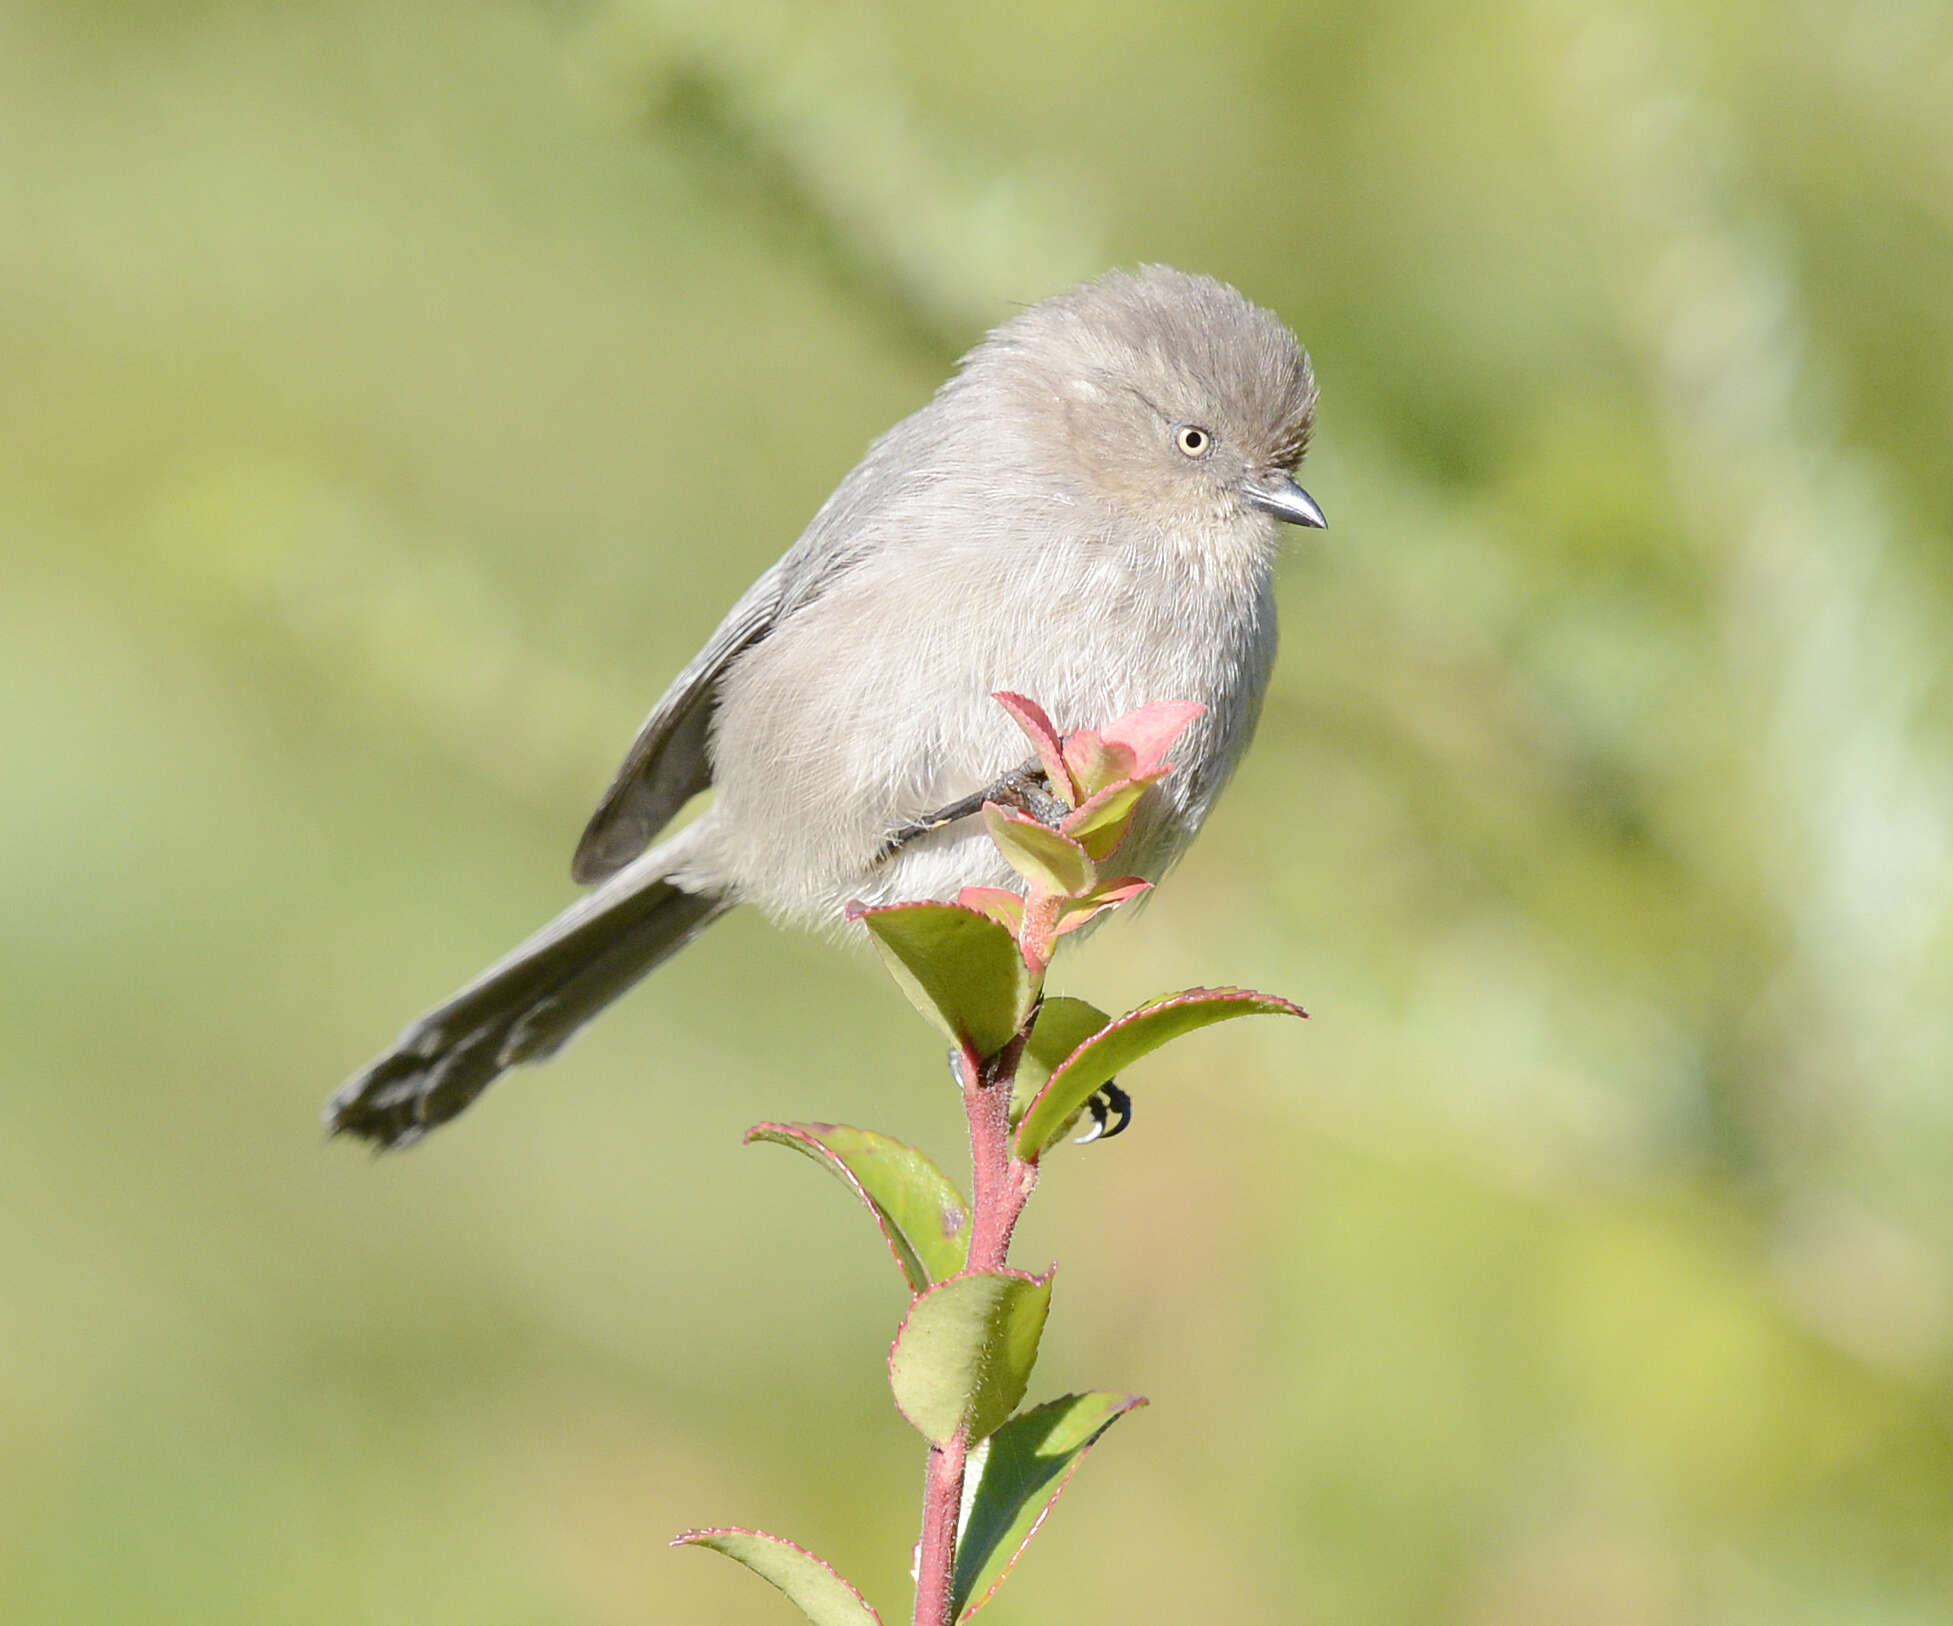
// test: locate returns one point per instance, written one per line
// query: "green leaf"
(964, 1354)
(822, 1594)
(922, 1215)
(1116, 1047)
(961, 969)
(1063, 1025)
(1100, 824)
(1048, 859)
(1014, 1480)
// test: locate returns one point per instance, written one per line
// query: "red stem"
(942, 1500)
(1000, 1186)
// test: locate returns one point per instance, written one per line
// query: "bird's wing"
(667, 763)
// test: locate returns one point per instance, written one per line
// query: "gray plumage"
(1086, 513)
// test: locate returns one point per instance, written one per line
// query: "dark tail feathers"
(526, 1006)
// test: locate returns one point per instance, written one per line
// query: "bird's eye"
(1192, 439)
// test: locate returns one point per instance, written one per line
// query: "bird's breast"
(870, 707)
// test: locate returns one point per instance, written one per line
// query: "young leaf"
(1030, 717)
(820, 1591)
(1106, 895)
(1151, 731)
(1100, 824)
(922, 1215)
(1096, 762)
(965, 1352)
(1015, 1479)
(961, 969)
(1119, 1045)
(1006, 908)
(1050, 861)
(1063, 1025)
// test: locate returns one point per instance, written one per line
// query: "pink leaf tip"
(1150, 732)
(1038, 729)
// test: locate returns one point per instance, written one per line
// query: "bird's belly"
(813, 775)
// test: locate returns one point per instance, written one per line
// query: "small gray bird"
(1087, 513)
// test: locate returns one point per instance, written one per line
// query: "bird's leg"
(1024, 788)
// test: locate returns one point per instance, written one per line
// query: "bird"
(1087, 512)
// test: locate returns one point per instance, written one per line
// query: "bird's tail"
(528, 1004)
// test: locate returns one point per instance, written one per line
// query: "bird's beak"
(1279, 495)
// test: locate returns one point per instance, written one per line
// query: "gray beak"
(1281, 496)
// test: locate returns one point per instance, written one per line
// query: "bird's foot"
(1111, 1113)
(1024, 788)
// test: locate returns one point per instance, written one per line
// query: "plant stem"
(942, 1501)
(1000, 1186)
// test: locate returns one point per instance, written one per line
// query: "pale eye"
(1192, 439)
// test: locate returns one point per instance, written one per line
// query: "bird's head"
(1168, 396)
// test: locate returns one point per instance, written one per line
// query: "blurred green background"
(392, 397)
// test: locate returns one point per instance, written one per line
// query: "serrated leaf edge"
(1099, 800)
(915, 1305)
(1133, 1403)
(1038, 728)
(1274, 1003)
(999, 821)
(857, 911)
(803, 1134)
(702, 1538)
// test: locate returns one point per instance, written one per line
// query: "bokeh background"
(392, 396)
